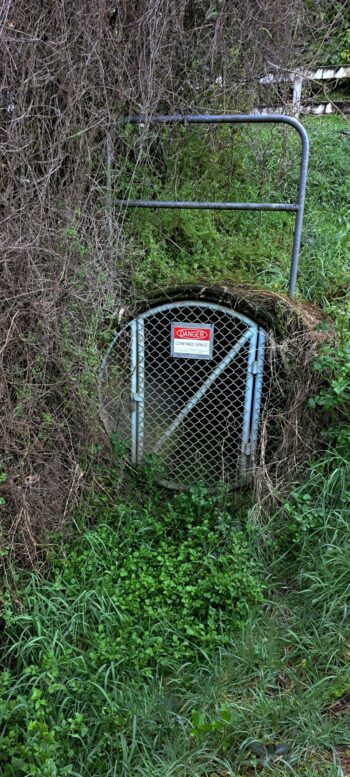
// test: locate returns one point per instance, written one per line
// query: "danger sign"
(192, 341)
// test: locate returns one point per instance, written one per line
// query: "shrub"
(334, 364)
(162, 581)
(149, 587)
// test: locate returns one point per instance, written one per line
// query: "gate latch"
(134, 397)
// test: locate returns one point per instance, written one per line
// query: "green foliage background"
(182, 634)
(247, 164)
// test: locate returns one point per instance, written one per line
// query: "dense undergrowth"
(186, 634)
(250, 164)
(109, 670)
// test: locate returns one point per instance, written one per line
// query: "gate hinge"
(254, 368)
(135, 397)
(247, 449)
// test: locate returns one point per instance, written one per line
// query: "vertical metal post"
(300, 212)
(140, 388)
(282, 206)
(133, 391)
(297, 87)
(248, 398)
(257, 390)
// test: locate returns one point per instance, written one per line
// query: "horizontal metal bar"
(239, 118)
(285, 206)
(219, 118)
(320, 74)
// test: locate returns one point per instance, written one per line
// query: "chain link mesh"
(209, 442)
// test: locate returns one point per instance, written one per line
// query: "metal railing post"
(297, 207)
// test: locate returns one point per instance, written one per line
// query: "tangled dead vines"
(69, 71)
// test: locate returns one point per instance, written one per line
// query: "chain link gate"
(198, 413)
(185, 380)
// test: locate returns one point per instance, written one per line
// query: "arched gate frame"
(197, 410)
(195, 405)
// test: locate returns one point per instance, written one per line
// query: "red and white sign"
(192, 341)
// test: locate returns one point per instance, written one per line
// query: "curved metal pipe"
(237, 118)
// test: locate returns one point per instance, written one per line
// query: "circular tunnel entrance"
(182, 381)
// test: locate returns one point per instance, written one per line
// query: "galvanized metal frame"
(252, 391)
(134, 397)
(258, 371)
(140, 408)
(297, 207)
(253, 335)
(247, 441)
(253, 382)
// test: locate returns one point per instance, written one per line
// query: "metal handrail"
(297, 208)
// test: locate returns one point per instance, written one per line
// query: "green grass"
(182, 246)
(185, 635)
(75, 702)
